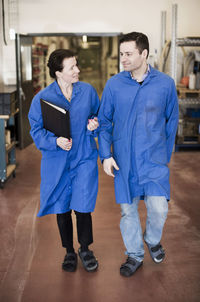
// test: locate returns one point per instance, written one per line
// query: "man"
(138, 117)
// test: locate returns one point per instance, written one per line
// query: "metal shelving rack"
(39, 53)
(186, 42)
(6, 168)
(8, 110)
(175, 42)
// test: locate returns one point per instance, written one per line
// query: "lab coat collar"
(144, 75)
(151, 73)
(76, 89)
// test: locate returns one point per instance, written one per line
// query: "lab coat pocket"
(158, 152)
(48, 169)
(49, 154)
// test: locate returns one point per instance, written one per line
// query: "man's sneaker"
(157, 252)
(128, 268)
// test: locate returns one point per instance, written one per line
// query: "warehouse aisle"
(31, 255)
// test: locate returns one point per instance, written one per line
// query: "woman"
(69, 173)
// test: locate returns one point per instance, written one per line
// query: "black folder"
(55, 119)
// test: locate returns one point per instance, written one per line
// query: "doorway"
(98, 57)
(98, 60)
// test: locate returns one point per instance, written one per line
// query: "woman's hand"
(93, 124)
(64, 143)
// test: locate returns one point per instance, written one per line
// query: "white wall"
(45, 16)
(7, 46)
(108, 16)
(1, 47)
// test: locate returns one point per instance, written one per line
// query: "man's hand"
(108, 163)
(93, 124)
(64, 143)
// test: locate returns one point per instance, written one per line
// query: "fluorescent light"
(12, 34)
(84, 39)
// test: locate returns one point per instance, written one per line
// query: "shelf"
(10, 146)
(188, 135)
(8, 116)
(39, 74)
(188, 41)
(186, 146)
(39, 53)
(192, 143)
(7, 150)
(39, 65)
(185, 93)
(10, 170)
(191, 119)
(35, 85)
(189, 101)
(188, 143)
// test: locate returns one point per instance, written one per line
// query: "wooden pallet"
(184, 93)
(188, 140)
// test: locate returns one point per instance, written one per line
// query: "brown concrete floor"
(31, 254)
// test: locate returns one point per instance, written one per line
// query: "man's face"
(70, 72)
(130, 57)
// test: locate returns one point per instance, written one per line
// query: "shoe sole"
(158, 261)
(131, 274)
(92, 269)
(73, 269)
(154, 259)
(69, 270)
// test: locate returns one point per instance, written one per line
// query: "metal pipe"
(163, 29)
(173, 65)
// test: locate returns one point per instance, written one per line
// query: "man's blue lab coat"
(69, 179)
(140, 122)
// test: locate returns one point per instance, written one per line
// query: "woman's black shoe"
(70, 262)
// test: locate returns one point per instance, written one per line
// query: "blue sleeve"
(105, 117)
(94, 111)
(172, 116)
(43, 139)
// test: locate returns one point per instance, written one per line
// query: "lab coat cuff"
(105, 157)
(93, 133)
(54, 142)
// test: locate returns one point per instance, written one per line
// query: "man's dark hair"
(140, 39)
(55, 62)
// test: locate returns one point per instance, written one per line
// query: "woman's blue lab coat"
(140, 121)
(69, 179)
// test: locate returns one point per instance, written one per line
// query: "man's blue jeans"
(157, 208)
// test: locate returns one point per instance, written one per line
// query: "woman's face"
(70, 72)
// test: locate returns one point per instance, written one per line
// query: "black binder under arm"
(55, 119)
